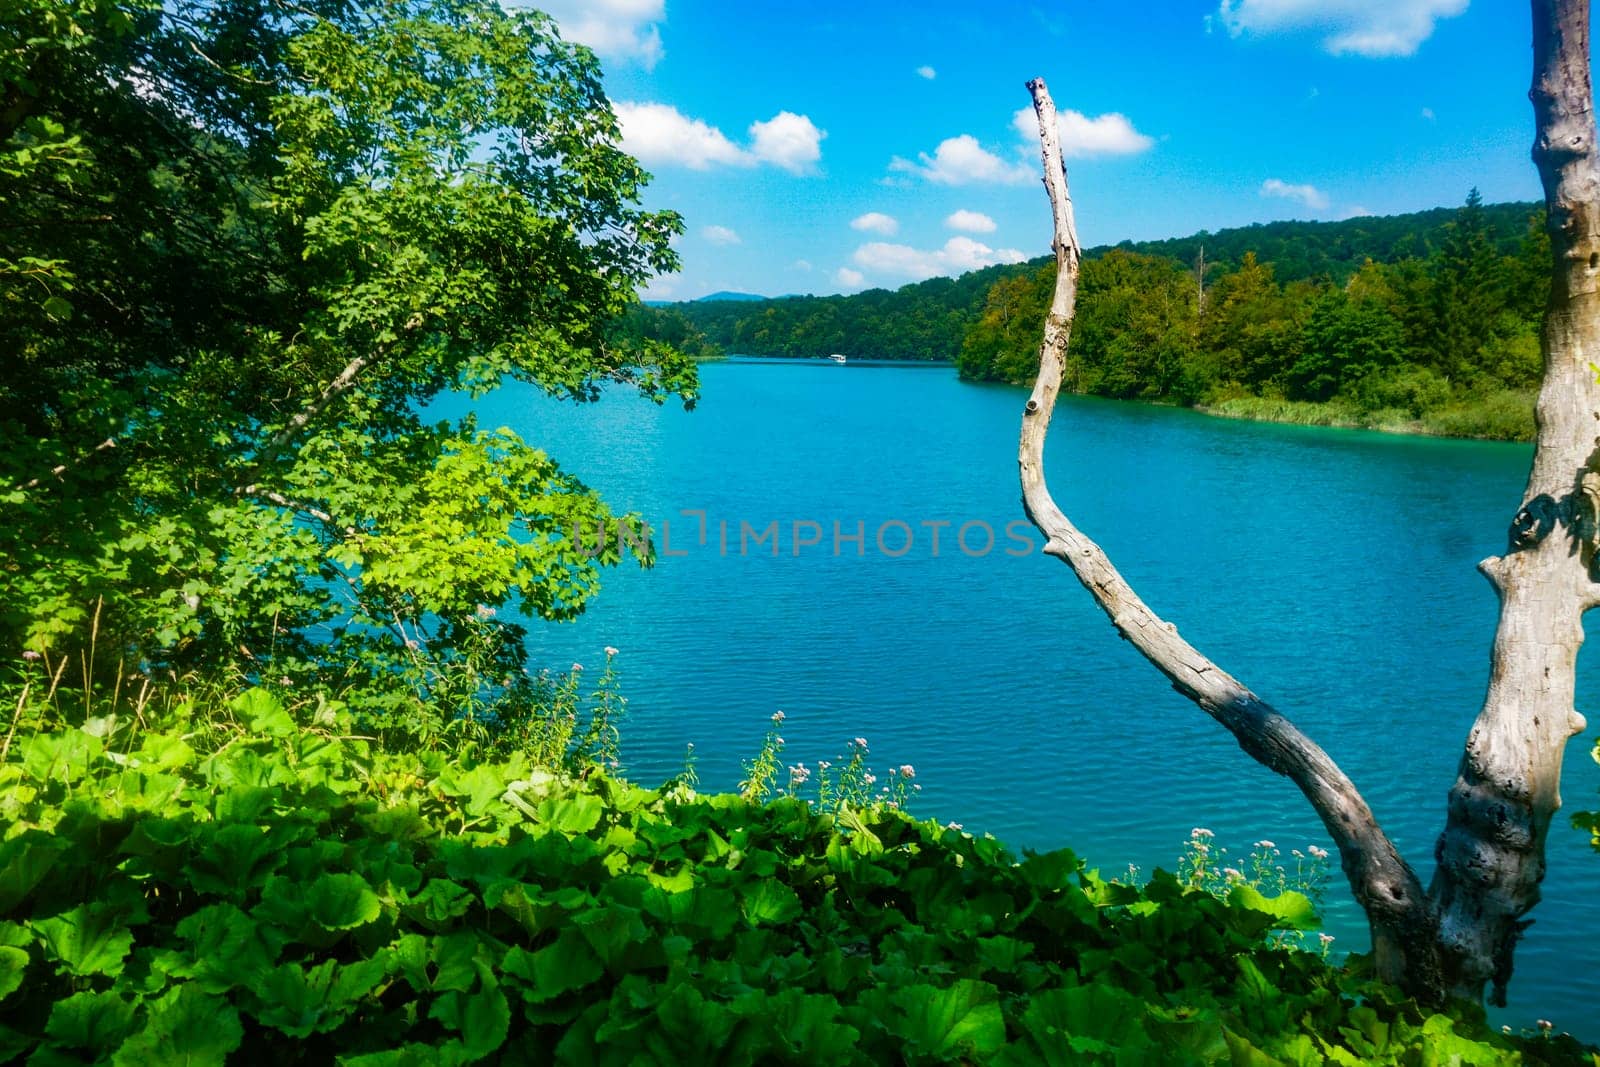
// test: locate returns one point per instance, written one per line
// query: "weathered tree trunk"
(1397, 908)
(1462, 932)
(1491, 854)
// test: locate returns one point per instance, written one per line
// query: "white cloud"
(787, 140)
(927, 72)
(1110, 134)
(661, 134)
(1309, 195)
(802, 264)
(661, 287)
(1356, 211)
(720, 235)
(963, 161)
(1374, 28)
(848, 278)
(970, 221)
(617, 29)
(959, 254)
(1427, 113)
(875, 222)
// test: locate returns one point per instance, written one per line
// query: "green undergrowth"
(272, 889)
(1506, 415)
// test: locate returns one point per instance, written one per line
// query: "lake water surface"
(1331, 571)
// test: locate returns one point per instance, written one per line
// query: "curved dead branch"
(1396, 906)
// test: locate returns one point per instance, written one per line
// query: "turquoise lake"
(1331, 571)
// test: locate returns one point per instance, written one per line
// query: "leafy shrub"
(285, 892)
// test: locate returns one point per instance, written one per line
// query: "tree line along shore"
(1419, 323)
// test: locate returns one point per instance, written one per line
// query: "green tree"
(248, 241)
(1351, 334)
(1001, 343)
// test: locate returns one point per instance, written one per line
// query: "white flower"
(1200, 831)
(1265, 844)
(577, 666)
(777, 716)
(907, 771)
(611, 650)
(1320, 853)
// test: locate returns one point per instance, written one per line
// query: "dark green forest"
(1423, 322)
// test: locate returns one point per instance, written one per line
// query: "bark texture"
(1397, 908)
(1491, 854)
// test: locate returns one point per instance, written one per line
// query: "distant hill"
(927, 320)
(711, 298)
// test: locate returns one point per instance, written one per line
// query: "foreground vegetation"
(194, 881)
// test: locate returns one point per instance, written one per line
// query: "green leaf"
(263, 713)
(1068, 1023)
(770, 903)
(440, 901)
(13, 965)
(567, 963)
(236, 858)
(226, 947)
(572, 814)
(482, 1018)
(341, 902)
(92, 1020)
(24, 862)
(1290, 910)
(300, 1002)
(963, 1019)
(89, 939)
(184, 1026)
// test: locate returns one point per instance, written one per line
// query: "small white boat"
(837, 357)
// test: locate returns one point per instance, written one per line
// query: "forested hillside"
(1424, 321)
(1443, 338)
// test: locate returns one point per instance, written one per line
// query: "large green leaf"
(300, 1002)
(235, 859)
(770, 902)
(1290, 910)
(567, 963)
(1066, 1024)
(13, 966)
(89, 939)
(24, 862)
(961, 1019)
(575, 814)
(99, 1021)
(185, 1026)
(226, 948)
(481, 1017)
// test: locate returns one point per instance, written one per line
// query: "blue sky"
(831, 147)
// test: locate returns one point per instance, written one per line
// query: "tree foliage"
(1447, 339)
(247, 242)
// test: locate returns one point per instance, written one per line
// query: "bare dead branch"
(1385, 885)
(62, 468)
(341, 383)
